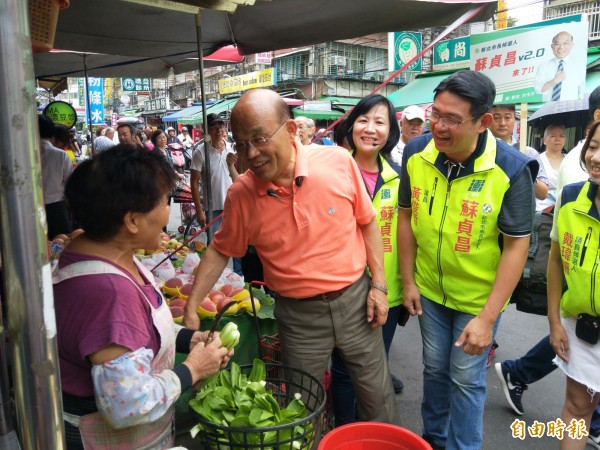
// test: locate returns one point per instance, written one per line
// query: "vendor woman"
(116, 336)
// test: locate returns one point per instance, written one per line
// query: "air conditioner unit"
(337, 60)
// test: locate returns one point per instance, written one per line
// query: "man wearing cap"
(222, 169)
(185, 138)
(411, 125)
(171, 138)
(322, 138)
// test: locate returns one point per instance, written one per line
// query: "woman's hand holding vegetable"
(205, 360)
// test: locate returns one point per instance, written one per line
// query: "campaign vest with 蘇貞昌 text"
(385, 201)
(456, 227)
(579, 240)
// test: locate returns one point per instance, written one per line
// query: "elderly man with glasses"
(466, 212)
(313, 225)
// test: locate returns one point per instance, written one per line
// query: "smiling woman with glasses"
(255, 142)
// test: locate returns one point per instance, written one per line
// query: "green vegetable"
(237, 400)
(267, 303)
(230, 336)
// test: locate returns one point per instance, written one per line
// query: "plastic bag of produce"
(190, 263)
(229, 277)
(164, 272)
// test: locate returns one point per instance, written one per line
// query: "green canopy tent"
(222, 106)
(419, 91)
(317, 114)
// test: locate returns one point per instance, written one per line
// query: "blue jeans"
(453, 381)
(342, 393)
(535, 365)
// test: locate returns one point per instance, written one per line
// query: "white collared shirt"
(56, 168)
(220, 179)
(572, 85)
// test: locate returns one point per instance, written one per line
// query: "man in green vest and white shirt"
(466, 214)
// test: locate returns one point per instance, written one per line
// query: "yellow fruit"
(233, 309)
(240, 295)
(172, 286)
(246, 305)
(207, 309)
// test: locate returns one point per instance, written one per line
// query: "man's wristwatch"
(381, 287)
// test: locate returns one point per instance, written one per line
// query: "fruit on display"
(172, 244)
(240, 295)
(177, 314)
(171, 286)
(177, 302)
(231, 310)
(185, 290)
(216, 296)
(207, 309)
(227, 289)
(246, 305)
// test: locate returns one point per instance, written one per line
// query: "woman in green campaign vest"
(372, 134)
(574, 315)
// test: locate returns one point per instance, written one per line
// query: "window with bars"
(292, 66)
(334, 59)
(339, 59)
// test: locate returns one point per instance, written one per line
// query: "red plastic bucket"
(371, 436)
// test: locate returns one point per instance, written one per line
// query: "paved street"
(517, 333)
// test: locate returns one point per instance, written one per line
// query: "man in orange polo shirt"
(313, 225)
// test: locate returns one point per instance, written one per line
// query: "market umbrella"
(570, 113)
(139, 29)
(66, 63)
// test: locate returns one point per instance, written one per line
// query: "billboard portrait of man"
(557, 79)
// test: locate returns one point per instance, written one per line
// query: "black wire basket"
(284, 382)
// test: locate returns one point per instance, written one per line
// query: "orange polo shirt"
(308, 244)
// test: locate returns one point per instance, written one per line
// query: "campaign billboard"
(535, 63)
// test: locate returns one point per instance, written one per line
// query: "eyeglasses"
(256, 142)
(449, 122)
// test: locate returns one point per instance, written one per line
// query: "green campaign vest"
(385, 202)
(578, 237)
(456, 228)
